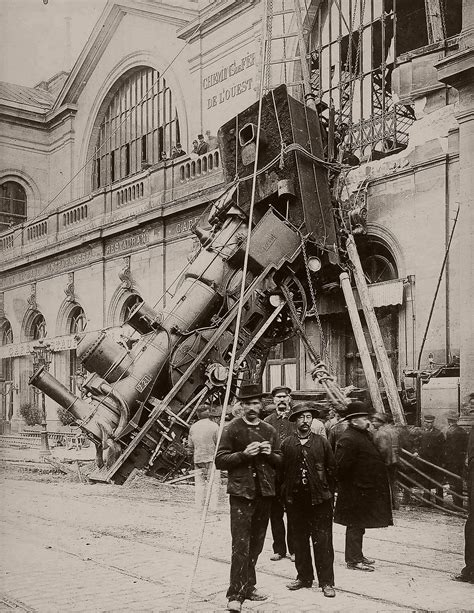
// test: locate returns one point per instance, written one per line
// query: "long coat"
(363, 497)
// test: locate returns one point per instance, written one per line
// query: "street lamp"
(42, 357)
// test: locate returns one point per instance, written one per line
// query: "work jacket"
(248, 477)
(363, 498)
(456, 447)
(283, 426)
(320, 465)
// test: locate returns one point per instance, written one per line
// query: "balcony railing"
(160, 185)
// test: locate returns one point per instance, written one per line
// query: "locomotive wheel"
(283, 327)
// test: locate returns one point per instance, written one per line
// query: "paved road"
(80, 547)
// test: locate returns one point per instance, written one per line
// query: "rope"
(237, 324)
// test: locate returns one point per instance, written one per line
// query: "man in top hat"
(202, 145)
(308, 490)
(456, 446)
(363, 499)
(250, 452)
(432, 450)
(202, 441)
(284, 427)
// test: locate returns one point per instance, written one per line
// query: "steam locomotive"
(138, 401)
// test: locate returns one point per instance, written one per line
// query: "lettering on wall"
(227, 91)
(125, 244)
(53, 267)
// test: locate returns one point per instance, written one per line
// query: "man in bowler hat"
(308, 490)
(363, 499)
(284, 427)
(249, 451)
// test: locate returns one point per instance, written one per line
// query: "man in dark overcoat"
(308, 489)
(284, 427)
(467, 573)
(363, 499)
(432, 449)
(249, 450)
(456, 445)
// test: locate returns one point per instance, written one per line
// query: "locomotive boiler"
(138, 401)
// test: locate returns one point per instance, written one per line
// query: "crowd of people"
(201, 145)
(289, 466)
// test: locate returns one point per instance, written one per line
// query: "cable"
(240, 306)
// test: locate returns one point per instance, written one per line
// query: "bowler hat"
(250, 390)
(281, 388)
(354, 409)
(380, 417)
(303, 407)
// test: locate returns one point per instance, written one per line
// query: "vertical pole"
(44, 451)
(374, 331)
(308, 93)
(361, 344)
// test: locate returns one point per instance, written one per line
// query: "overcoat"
(363, 497)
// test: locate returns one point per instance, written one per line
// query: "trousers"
(281, 537)
(312, 524)
(353, 551)
(468, 570)
(248, 526)
(201, 483)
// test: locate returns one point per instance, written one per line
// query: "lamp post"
(42, 357)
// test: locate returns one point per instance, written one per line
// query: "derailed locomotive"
(138, 402)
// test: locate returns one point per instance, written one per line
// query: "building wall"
(411, 197)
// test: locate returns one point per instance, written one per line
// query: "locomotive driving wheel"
(283, 328)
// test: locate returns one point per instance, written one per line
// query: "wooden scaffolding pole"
(374, 331)
(361, 343)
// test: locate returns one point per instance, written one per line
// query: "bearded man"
(363, 499)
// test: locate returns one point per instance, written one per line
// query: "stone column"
(457, 70)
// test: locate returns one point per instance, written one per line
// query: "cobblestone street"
(81, 547)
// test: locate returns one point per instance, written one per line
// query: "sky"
(33, 45)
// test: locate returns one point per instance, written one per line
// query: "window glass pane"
(275, 375)
(289, 371)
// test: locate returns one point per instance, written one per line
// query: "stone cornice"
(214, 16)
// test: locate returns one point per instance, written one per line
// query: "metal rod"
(430, 464)
(418, 497)
(437, 289)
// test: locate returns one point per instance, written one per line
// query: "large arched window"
(12, 204)
(138, 125)
(6, 373)
(354, 47)
(76, 324)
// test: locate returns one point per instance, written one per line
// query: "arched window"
(6, 374)
(37, 328)
(353, 48)
(139, 123)
(76, 324)
(12, 204)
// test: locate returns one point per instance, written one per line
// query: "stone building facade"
(94, 219)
